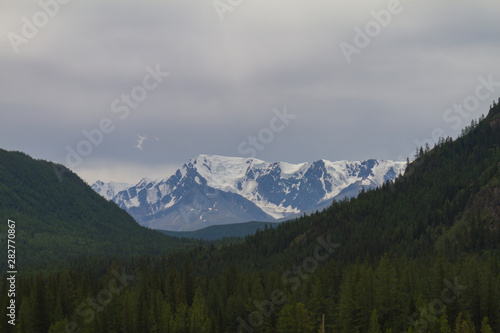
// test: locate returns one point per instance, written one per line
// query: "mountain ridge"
(213, 189)
(54, 213)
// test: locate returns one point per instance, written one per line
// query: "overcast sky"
(233, 67)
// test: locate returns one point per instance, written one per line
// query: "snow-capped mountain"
(109, 190)
(212, 189)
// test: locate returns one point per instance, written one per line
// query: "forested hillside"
(421, 254)
(59, 217)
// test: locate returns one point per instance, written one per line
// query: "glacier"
(213, 189)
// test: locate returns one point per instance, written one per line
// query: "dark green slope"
(216, 232)
(439, 207)
(408, 249)
(58, 216)
(400, 246)
(443, 188)
(435, 195)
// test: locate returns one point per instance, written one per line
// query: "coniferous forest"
(421, 254)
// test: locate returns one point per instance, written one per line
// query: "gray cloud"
(227, 77)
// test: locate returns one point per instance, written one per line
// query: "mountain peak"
(109, 190)
(221, 159)
(206, 189)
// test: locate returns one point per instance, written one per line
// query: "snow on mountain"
(247, 177)
(109, 190)
(212, 189)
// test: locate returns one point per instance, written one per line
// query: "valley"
(420, 253)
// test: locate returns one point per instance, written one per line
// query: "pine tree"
(374, 325)
(346, 303)
(444, 326)
(181, 319)
(485, 327)
(198, 314)
(40, 316)
(294, 318)
(463, 326)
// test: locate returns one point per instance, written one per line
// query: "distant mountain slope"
(57, 220)
(376, 263)
(216, 232)
(109, 190)
(446, 205)
(212, 189)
